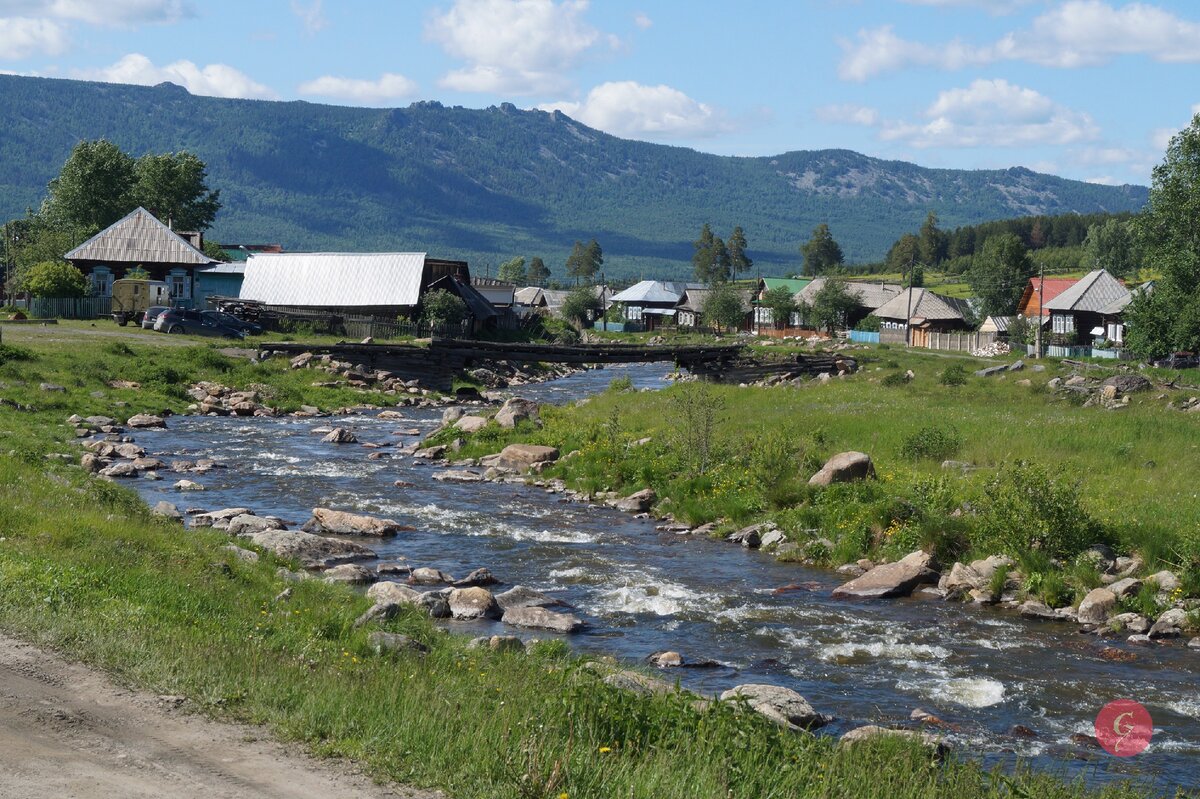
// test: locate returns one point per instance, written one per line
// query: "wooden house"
(922, 309)
(651, 303)
(763, 316)
(1081, 314)
(689, 312)
(1039, 291)
(870, 296)
(139, 240)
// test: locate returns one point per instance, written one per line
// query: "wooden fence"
(954, 342)
(70, 307)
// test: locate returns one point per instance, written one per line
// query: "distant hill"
(489, 184)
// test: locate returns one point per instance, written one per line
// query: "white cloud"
(21, 37)
(1161, 138)
(1103, 180)
(512, 46)
(848, 114)
(311, 15)
(626, 108)
(109, 12)
(213, 80)
(642, 21)
(1076, 34)
(389, 86)
(993, 113)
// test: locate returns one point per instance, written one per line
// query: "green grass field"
(86, 570)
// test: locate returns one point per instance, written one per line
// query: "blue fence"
(864, 337)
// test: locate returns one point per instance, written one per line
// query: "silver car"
(151, 316)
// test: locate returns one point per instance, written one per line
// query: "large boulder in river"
(891, 579)
(515, 411)
(521, 597)
(473, 603)
(542, 619)
(249, 523)
(1096, 606)
(338, 522)
(844, 467)
(522, 456)
(314, 551)
(340, 435)
(781, 705)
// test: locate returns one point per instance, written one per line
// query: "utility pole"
(908, 313)
(1037, 346)
(603, 308)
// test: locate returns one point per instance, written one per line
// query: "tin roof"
(925, 304)
(655, 291)
(334, 279)
(870, 295)
(1092, 293)
(139, 238)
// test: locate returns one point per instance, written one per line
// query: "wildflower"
(604, 750)
(563, 795)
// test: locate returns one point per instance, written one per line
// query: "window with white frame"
(178, 281)
(1062, 323)
(633, 313)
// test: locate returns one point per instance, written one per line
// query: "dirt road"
(66, 732)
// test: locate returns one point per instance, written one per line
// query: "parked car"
(180, 320)
(229, 320)
(151, 316)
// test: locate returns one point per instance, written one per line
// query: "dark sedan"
(197, 323)
(229, 320)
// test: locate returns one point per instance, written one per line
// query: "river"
(981, 670)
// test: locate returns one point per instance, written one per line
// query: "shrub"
(623, 383)
(953, 375)
(869, 324)
(56, 279)
(931, 443)
(1024, 509)
(9, 353)
(895, 379)
(440, 307)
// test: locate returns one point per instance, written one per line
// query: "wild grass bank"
(968, 466)
(86, 570)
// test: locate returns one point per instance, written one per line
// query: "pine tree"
(738, 258)
(702, 258)
(537, 274)
(578, 262)
(822, 252)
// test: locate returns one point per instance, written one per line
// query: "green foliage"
(739, 261)
(831, 305)
(214, 251)
(711, 261)
(894, 380)
(93, 189)
(622, 383)
(932, 443)
(55, 279)
(513, 271)
(137, 273)
(869, 324)
(441, 307)
(585, 261)
(782, 303)
(953, 375)
(723, 307)
(538, 274)
(821, 252)
(1168, 319)
(1023, 509)
(1000, 273)
(11, 354)
(580, 305)
(173, 187)
(697, 411)
(1112, 245)
(934, 243)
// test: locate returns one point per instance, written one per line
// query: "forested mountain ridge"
(492, 183)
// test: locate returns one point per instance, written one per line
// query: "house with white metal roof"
(918, 307)
(651, 302)
(386, 284)
(139, 240)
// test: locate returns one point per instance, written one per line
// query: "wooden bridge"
(445, 358)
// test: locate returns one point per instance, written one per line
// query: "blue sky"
(1088, 89)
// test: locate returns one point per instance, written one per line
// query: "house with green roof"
(762, 315)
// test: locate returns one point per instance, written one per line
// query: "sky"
(1086, 89)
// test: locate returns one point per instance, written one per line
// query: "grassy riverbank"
(85, 569)
(1042, 478)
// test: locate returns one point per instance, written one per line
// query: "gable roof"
(870, 295)
(138, 237)
(655, 291)
(530, 295)
(334, 279)
(476, 303)
(792, 284)
(925, 304)
(694, 299)
(1050, 288)
(1092, 293)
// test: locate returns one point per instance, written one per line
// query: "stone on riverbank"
(976, 576)
(478, 577)
(188, 485)
(1040, 611)
(388, 591)
(638, 502)
(1165, 580)
(844, 467)
(119, 470)
(425, 575)
(471, 424)
(872, 732)
(1169, 624)
(349, 574)
(891, 579)
(167, 510)
(473, 603)
(516, 410)
(218, 519)
(781, 705)
(542, 619)
(337, 522)
(1096, 606)
(249, 523)
(145, 421)
(498, 643)
(522, 456)
(382, 642)
(314, 551)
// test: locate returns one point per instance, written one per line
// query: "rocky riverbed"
(983, 678)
